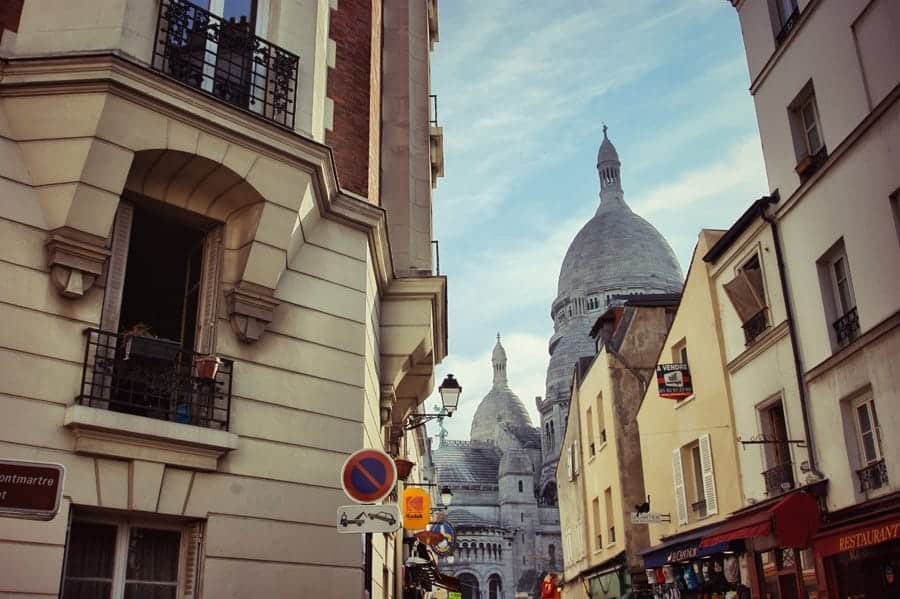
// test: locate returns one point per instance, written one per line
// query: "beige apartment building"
(826, 83)
(600, 480)
(215, 248)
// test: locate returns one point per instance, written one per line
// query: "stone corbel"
(250, 311)
(75, 263)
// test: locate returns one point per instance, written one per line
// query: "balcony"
(847, 327)
(755, 326)
(154, 378)
(788, 26)
(227, 60)
(872, 477)
(699, 508)
(779, 479)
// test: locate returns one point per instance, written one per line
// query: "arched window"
(481, 550)
(469, 586)
(495, 587)
(520, 486)
(551, 550)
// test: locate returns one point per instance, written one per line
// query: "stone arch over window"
(495, 587)
(470, 587)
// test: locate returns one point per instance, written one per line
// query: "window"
(784, 15)
(698, 503)
(551, 555)
(779, 474)
(114, 559)
(868, 431)
(589, 416)
(840, 302)
(610, 519)
(601, 421)
(680, 356)
(520, 486)
(598, 526)
(806, 129)
(695, 486)
(747, 294)
(895, 211)
(522, 518)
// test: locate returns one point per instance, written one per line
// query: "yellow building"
(186, 188)
(690, 462)
(600, 480)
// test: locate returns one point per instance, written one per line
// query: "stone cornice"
(115, 74)
(837, 358)
(433, 289)
(766, 340)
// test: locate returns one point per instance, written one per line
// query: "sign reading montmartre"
(30, 490)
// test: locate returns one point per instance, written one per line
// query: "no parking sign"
(368, 475)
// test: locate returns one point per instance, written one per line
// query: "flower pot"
(207, 367)
(404, 467)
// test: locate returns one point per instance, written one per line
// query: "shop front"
(777, 535)
(680, 568)
(859, 551)
(609, 580)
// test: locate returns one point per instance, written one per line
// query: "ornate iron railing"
(155, 378)
(779, 479)
(847, 327)
(699, 508)
(433, 109)
(787, 27)
(872, 477)
(227, 60)
(754, 327)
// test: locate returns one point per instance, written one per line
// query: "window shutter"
(193, 560)
(576, 456)
(115, 272)
(569, 464)
(209, 291)
(709, 480)
(745, 299)
(678, 477)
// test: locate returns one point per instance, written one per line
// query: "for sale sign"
(30, 490)
(674, 381)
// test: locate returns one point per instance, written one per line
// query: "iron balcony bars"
(872, 477)
(755, 326)
(779, 479)
(155, 378)
(847, 327)
(227, 60)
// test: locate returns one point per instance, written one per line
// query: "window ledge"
(610, 545)
(103, 432)
(602, 447)
(685, 401)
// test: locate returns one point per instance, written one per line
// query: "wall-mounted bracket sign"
(674, 381)
(447, 537)
(352, 519)
(649, 518)
(368, 475)
(416, 508)
(30, 490)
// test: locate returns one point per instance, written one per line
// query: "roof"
(461, 519)
(757, 208)
(467, 463)
(529, 437)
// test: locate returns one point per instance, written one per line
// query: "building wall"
(667, 424)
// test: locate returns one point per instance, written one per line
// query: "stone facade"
(506, 538)
(616, 253)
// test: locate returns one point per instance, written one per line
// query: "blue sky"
(523, 89)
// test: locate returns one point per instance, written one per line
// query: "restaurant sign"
(674, 381)
(30, 490)
(859, 538)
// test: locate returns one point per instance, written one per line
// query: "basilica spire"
(608, 168)
(498, 359)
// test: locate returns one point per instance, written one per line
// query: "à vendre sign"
(30, 490)
(674, 381)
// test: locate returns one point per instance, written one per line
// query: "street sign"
(649, 518)
(30, 490)
(416, 508)
(353, 519)
(368, 475)
(448, 537)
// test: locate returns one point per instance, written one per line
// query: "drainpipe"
(798, 364)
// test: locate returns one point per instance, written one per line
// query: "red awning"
(792, 520)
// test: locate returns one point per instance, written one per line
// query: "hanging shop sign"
(368, 518)
(30, 490)
(649, 518)
(447, 537)
(416, 507)
(674, 381)
(368, 475)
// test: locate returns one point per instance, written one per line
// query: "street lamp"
(450, 391)
(446, 496)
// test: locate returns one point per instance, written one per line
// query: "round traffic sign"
(368, 475)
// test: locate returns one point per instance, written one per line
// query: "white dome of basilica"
(500, 404)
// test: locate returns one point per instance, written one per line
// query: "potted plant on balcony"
(141, 342)
(207, 366)
(404, 467)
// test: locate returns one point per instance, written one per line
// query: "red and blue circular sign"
(368, 475)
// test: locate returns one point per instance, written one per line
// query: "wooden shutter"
(744, 296)
(576, 456)
(570, 472)
(709, 479)
(192, 564)
(678, 477)
(209, 291)
(115, 272)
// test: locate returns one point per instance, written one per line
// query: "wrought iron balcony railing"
(227, 60)
(155, 378)
(872, 477)
(847, 327)
(787, 27)
(699, 508)
(754, 327)
(779, 479)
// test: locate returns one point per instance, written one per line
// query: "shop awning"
(859, 535)
(792, 520)
(686, 546)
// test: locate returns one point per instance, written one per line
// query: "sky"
(524, 87)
